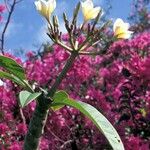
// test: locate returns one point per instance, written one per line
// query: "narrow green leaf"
(58, 97)
(12, 66)
(11, 77)
(26, 97)
(98, 119)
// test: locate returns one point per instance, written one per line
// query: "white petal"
(54, 4)
(44, 8)
(38, 5)
(94, 12)
(119, 22)
(44, 2)
(126, 26)
(51, 4)
(88, 4)
(125, 35)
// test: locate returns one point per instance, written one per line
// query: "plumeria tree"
(109, 72)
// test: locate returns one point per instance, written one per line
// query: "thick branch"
(39, 117)
(36, 126)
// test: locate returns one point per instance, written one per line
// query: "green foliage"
(57, 98)
(14, 72)
(12, 67)
(94, 115)
(11, 77)
(26, 97)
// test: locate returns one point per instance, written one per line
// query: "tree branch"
(10, 12)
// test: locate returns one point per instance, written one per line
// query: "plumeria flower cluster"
(93, 34)
(46, 8)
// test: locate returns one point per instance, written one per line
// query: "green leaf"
(11, 77)
(12, 66)
(97, 118)
(58, 97)
(27, 97)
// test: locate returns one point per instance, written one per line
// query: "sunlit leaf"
(26, 97)
(97, 118)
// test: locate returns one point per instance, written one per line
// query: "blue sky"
(27, 29)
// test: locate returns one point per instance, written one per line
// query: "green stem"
(61, 76)
(39, 117)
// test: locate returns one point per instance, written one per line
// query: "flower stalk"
(38, 120)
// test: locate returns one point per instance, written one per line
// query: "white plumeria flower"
(45, 7)
(121, 29)
(89, 12)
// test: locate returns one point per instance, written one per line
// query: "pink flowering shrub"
(116, 83)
